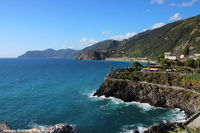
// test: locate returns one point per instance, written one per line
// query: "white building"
(182, 56)
(169, 56)
(172, 57)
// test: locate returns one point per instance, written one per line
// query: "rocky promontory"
(157, 89)
(131, 86)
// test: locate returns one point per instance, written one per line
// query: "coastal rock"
(59, 128)
(163, 128)
(4, 126)
(155, 95)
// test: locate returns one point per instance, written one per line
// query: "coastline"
(129, 59)
(156, 95)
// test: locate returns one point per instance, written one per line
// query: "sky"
(41, 24)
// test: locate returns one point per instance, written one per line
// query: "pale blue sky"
(41, 24)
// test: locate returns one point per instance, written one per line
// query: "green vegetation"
(184, 130)
(136, 64)
(186, 51)
(191, 63)
(152, 43)
(190, 81)
(165, 62)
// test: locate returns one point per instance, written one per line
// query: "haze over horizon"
(38, 25)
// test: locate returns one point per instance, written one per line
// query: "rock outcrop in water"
(58, 128)
(154, 94)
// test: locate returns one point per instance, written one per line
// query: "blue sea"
(43, 92)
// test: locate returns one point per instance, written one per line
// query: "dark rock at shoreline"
(4, 126)
(58, 128)
(163, 128)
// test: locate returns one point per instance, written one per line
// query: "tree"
(186, 51)
(111, 68)
(190, 63)
(198, 62)
(164, 62)
(160, 57)
(136, 64)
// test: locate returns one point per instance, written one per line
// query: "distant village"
(173, 63)
(169, 56)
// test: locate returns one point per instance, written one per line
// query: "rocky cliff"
(58, 128)
(154, 94)
(91, 55)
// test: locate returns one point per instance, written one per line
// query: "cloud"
(144, 30)
(148, 10)
(122, 37)
(157, 1)
(106, 32)
(176, 16)
(86, 42)
(67, 47)
(157, 25)
(184, 4)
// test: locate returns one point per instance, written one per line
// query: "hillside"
(173, 37)
(99, 51)
(51, 53)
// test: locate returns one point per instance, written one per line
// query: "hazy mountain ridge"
(51, 53)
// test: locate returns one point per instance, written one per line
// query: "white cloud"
(176, 16)
(122, 37)
(67, 47)
(184, 4)
(157, 1)
(144, 30)
(148, 10)
(157, 25)
(106, 32)
(86, 42)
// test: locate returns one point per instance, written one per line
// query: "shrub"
(190, 63)
(164, 62)
(136, 64)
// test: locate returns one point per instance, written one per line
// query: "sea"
(37, 93)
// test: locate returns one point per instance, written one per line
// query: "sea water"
(35, 93)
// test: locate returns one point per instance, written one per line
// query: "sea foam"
(144, 106)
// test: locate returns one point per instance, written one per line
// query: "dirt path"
(163, 86)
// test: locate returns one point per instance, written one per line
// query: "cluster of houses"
(169, 56)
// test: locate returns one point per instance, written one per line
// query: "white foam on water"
(41, 127)
(144, 106)
(141, 129)
(130, 128)
(177, 116)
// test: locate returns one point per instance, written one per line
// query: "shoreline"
(129, 59)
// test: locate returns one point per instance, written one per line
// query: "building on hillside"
(169, 56)
(194, 56)
(152, 68)
(173, 58)
(182, 56)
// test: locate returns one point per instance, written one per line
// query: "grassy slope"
(171, 37)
